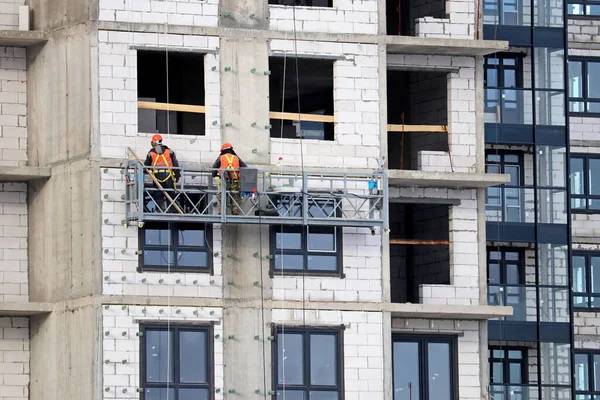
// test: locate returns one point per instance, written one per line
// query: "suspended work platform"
(356, 199)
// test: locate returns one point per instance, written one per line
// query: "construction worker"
(228, 160)
(163, 160)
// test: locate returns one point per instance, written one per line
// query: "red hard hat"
(226, 146)
(157, 138)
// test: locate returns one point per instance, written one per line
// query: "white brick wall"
(587, 327)
(174, 12)
(118, 96)
(118, 346)
(584, 128)
(13, 106)
(120, 261)
(356, 104)
(9, 13)
(14, 361)
(469, 367)
(363, 347)
(13, 242)
(361, 265)
(347, 16)
(583, 30)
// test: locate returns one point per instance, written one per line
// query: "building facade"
(422, 227)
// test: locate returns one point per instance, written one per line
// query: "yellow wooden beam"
(150, 105)
(301, 117)
(417, 128)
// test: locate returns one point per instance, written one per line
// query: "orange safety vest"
(229, 161)
(164, 164)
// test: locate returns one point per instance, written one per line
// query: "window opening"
(183, 247)
(586, 280)
(585, 183)
(402, 16)
(587, 374)
(176, 362)
(584, 93)
(506, 280)
(507, 201)
(584, 8)
(316, 98)
(186, 97)
(508, 369)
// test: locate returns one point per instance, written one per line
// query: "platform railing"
(358, 199)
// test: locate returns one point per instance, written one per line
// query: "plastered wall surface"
(469, 368)
(120, 260)
(13, 242)
(13, 105)
(174, 12)
(120, 342)
(118, 96)
(14, 361)
(347, 16)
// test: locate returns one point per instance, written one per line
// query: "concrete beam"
(404, 178)
(447, 311)
(23, 174)
(24, 309)
(22, 38)
(443, 46)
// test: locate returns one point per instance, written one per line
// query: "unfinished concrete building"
(417, 219)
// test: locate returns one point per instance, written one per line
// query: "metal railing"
(358, 199)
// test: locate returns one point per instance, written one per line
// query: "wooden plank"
(301, 117)
(418, 242)
(150, 105)
(417, 128)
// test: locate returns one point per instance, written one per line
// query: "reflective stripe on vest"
(229, 161)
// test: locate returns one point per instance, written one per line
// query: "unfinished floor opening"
(171, 92)
(404, 17)
(419, 250)
(418, 113)
(301, 86)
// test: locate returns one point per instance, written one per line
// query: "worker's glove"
(218, 181)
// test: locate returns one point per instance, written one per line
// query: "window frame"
(174, 229)
(502, 164)
(506, 364)
(175, 329)
(585, 15)
(306, 331)
(586, 189)
(588, 283)
(305, 252)
(590, 360)
(584, 87)
(423, 341)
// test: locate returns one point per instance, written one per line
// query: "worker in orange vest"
(228, 160)
(165, 170)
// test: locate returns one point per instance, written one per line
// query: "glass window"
(309, 249)
(424, 368)
(584, 93)
(586, 280)
(176, 362)
(585, 183)
(308, 364)
(175, 247)
(506, 275)
(508, 371)
(587, 377)
(583, 7)
(507, 202)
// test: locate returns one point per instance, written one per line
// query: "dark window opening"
(185, 87)
(312, 249)
(315, 78)
(584, 92)
(587, 374)
(506, 280)
(422, 97)
(303, 3)
(308, 364)
(506, 203)
(424, 257)
(586, 280)
(424, 368)
(508, 368)
(176, 362)
(177, 247)
(585, 183)
(401, 16)
(584, 8)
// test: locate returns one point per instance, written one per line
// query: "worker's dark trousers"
(159, 198)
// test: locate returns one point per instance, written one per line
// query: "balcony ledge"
(23, 174)
(24, 309)
(444, 311)
(443, 46)
(17, 38)
(405, 178)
